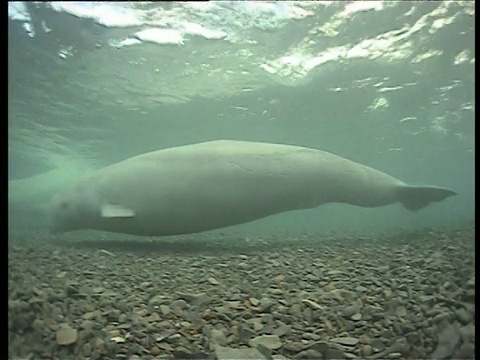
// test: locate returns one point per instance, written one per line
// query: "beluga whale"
(215, 184)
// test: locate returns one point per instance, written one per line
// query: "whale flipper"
(417, 197)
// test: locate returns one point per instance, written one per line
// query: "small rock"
(394, 355)
(226, 353)
(145, 284)
(334, 272)
(361, 289)
(295, 310)
(367, 350)
(266, 352)
(155, 350)
(257, 325)
(153, 317)
(331, 354)
(312, 304)
(87, 325)
(343, 294)
(182, 352)
(189, 297)
(387, 293)
(308, 315)
(243, 265)
(118, 339)
(156, 300)
(213, 281)
(348, 311)
(468, 333)
(356, 317)
(466, 351)
(294, 347)
(90, 315)
(61, 274)
(71, 290)
(166, 346)
(308, 354)
(245, 333)
(165, 309)
(271, 342)
(348, 341)
(401, 311)
(66, 335)
(318, 346)
(447, 341)
(87, 349)
(179, 304)
(89, 308)
(266, 304)
(414, 338)
(463, 315)
(437, 319)
(470, 295)
(254, 301)
(282, 329)
(218, 337)
(399, 346)
(100, 346)
(377, 345)
(106, 252)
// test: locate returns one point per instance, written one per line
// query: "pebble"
(446, 343)
(213, 281)
(467, 333)
(271, 342)
(349, 341)
(165, 309)
(361, 289)
(266, 304)
(463, 315)
(350, 310)
(106, 252)
(401, 311)
(312, 304)
(218, 337)
(308, 354)
(227, 353)
(243, 265)
(154, 350)
(282, 329)
(87, 325)
(86, 349)
(356, 317)
(466, 351)
(254, 301)
(367, 350)
(66, 335)
(331, 354)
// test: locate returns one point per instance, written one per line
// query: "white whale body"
(211, 185)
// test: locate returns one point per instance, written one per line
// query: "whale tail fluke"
(417, 197)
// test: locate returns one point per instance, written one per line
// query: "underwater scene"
(241, 180)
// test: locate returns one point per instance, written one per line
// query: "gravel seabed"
(402, 294)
